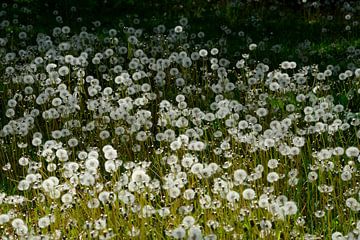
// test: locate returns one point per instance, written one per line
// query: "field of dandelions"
(127, 132)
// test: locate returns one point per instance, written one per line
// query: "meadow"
(180, 119)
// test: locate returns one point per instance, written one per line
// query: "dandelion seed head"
(249, 194)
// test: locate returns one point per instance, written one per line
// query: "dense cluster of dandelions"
(123, 136)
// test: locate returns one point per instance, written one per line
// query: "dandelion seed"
(240, 175)
(195, 233)
(36, 142)
(285, 65)
(232, 196)
(67, 198)
(292, 65)
(23, 161)
(320, 76)
(87, 179)
(249, 194)
(110, 166)
(17, 223)
(12, 103)
(44, 222)
(65, 29)
(319, 213)
(23, 185)
(353, 204)
(290, 208)
(263, 201)
(56, 134)
(203, 53)
(342, 76)
(175, 145)
(252, 46)
(298, 141)
(91, 163)
(272, 177)
(188, 221)
(164, 212)
(104, 134)
(104, 197)
(189, 194)
(178, 29)
(269, 142)
(243, 124)
(4, 218)
(352, 152)
(140, 176)
(274, 86)
(346, 176)
(174, 192)
(273, 163)
(214, 51)
(73, 142)
(178, 233)
(338, 151)
(63, 71)
(62, 155)
(337, 236)
(262, 112)
(197, 168)
(348, 73)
